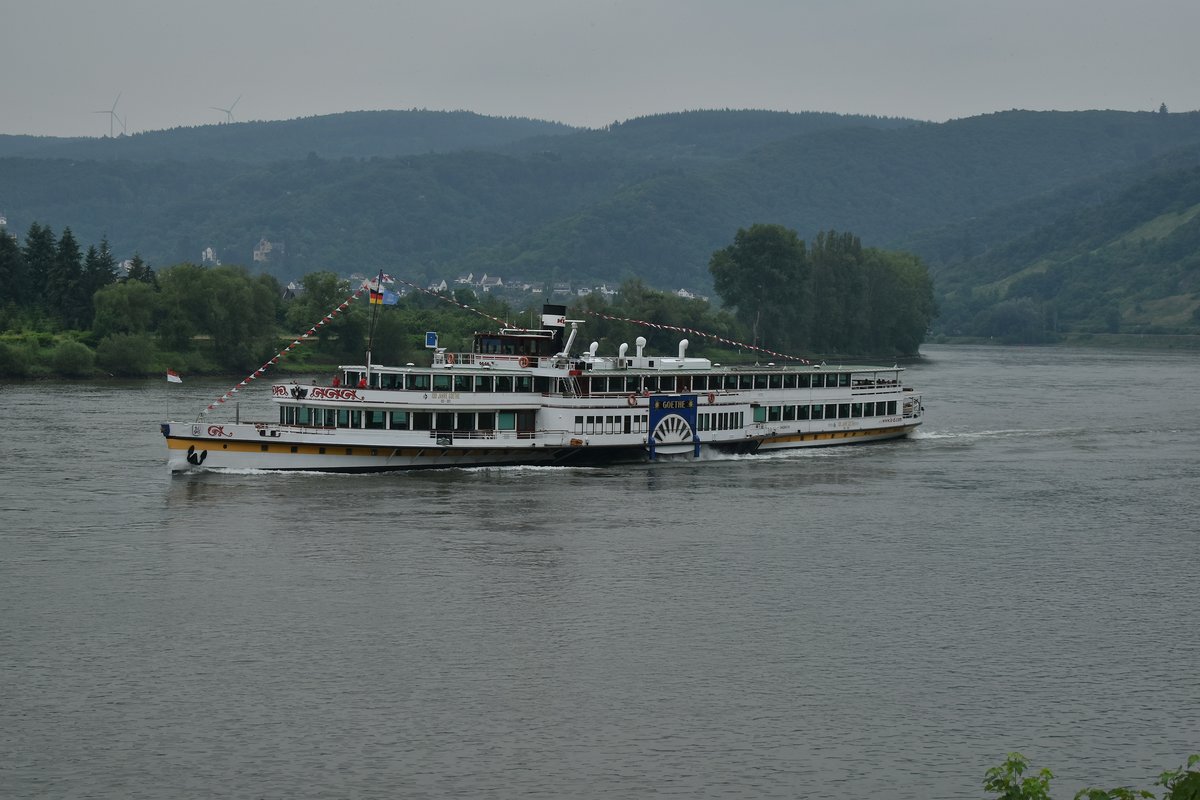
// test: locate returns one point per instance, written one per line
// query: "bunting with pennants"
(453, 302)
(644, 323)
(693, 332)
(282, 354)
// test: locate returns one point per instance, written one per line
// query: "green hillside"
(1006, 207)
(1128, 264)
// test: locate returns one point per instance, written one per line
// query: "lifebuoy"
(523, 361)
(632, 399)
(712, 398)
(450, 358)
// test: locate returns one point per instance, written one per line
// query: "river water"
(878, 621)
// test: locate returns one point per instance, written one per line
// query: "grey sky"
(584, 63)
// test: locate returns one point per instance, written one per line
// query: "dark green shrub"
(126, 354)
(73, 360)
(14, 363)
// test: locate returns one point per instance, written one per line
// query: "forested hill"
(356, 134)
(650, 198)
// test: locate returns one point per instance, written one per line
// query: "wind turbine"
(228, 111)
(112, 116)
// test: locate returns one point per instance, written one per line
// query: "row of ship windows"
(588, 424)
(379, 419)
(617, 384)
(637, 423)
(823, 411)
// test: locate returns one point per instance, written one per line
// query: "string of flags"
(694, 332)
(453, 302)
(282, 354)
(645, 323)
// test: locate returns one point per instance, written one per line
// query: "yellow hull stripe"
(838, 435)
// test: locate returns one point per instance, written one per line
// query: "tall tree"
(40, 253)
(839, 288)
(63, 287)
(764, 277)
(13, 278)
(99, 270)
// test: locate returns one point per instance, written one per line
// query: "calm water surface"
(878, 621)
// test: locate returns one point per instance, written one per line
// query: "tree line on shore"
(70, 312)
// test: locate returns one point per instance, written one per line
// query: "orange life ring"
(712, 398)
(450, 358)
(523, 361)
(632, 400)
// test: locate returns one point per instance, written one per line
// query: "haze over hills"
(989, 202)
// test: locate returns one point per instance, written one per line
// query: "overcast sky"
(584, 63)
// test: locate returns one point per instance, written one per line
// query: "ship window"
(422, 420)
(818, 380)
(818, 411)
(399, 420)
(760, 381)
(579, 424)
(330, 418)
(856, 409)
(789, 413)
(590, 425)
(390, 381)
(843, 410)
(295, 449)
(504, 383)
(760, 414)
(745, 382)
(891, 407)
(355, 419)
(773, 413)
(775, 381)
(801, 412)
(465, 421)
(441, 383)
(282, 415)
(541, 384)
(789, 380)
(443, 421)
(628, 426)
(487, 420)
(843, 379)
(343, 417)
(804, 381)
(376, 418)
(304, 415)
(524, 384)
(699, 383)
(417, 383)
(463, 383)
(506, 421)
(649, 383)
(288, 415)
(483, 383)
(610, 424)
(321, 450)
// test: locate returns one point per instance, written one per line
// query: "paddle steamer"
(521, 397)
